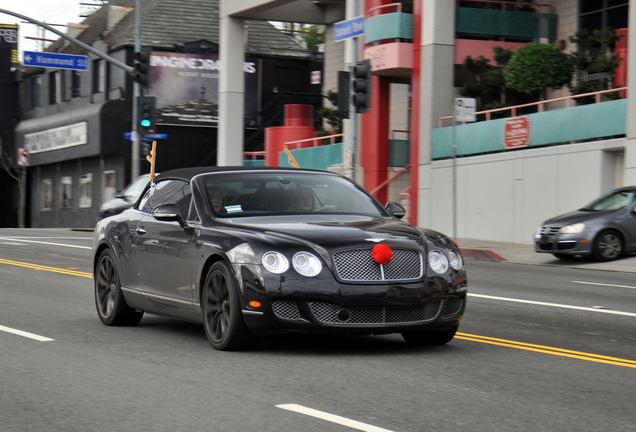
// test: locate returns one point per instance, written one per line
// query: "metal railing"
(315, 142)
(541, 105)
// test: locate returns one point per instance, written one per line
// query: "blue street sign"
(55, 60)
(153, 136)
(349, 28)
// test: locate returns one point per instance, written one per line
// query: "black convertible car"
(252, 251)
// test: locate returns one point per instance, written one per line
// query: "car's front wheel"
(430, 338)
(608, 246)
(222, 318)
(109, 300)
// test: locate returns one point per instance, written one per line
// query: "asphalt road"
(541, 348)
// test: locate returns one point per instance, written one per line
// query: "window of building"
(86, 191)
(35, 91)
(99, 76)
(76, 84)
(55, 88)
(47, 194)
(66, 192)
(604, 14)
(110, 185)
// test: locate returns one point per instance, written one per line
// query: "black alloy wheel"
(109, 300)
(608, 246)
(430, 338)
(222, 317)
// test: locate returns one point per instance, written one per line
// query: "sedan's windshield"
(265, 193)
(612, 201)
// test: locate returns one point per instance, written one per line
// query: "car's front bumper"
(435, 303)
(565, 244)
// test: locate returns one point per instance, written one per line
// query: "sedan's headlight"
(438, 261)
(275, 262)
(455, 260)
(306, 264)
(576, 228)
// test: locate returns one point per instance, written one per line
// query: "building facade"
(75, 125)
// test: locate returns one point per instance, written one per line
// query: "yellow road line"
(46, 268)
(463, 336)
(548, 350)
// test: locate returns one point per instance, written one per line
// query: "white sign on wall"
(465, 109)
(57, 138)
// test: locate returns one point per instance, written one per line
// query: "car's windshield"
(612, 201)
(134, 189)
(263, 193)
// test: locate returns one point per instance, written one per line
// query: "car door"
(164, 249)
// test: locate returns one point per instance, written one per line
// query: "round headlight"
(306, 264)
(438, 261)
(455, 260)
(275, 262)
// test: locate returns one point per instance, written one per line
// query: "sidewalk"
(521, 253)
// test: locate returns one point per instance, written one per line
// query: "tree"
(486, 83)
(533, 68)
(330, 114)
(594, 60)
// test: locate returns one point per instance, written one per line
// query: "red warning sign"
(517, 132)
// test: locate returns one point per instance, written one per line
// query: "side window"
(167, 192)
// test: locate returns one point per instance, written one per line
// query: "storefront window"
(86, 191)
(66, 192)
(35, 89)
(47, 194)
(99, 76)
(55, 88)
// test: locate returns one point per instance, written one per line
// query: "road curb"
(481, 254)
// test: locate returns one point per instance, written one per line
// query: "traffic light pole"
(134, 151)
(350, 125)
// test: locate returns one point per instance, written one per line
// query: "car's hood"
(348, 231)
(576, 217)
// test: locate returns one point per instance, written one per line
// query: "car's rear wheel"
(430, 338)
(222, 318)
(109, 300)
(608, 246)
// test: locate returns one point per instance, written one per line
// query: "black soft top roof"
(187, 173)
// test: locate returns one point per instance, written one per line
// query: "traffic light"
(361, 86)
(146, 114)
(142, 67)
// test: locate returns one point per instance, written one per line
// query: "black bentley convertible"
(253, 251)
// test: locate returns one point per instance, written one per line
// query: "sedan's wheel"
(608, 246)
(430, 338)
(111, 306)
(222, 317)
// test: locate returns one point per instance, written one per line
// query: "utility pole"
(134, 151)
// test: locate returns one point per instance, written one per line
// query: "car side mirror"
(395, 209)
(169, 213)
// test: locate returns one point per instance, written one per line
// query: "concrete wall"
(504, 197)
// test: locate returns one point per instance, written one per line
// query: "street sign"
(348, 28)
(151, 136)
(55, 60)
(517, 132)
(465, 109)
(23, 157)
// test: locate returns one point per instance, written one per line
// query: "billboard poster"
(186, 86)
(8, 50)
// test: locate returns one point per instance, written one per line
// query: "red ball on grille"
(381, 253)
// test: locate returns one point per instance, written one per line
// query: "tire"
(222, 317)
(109, 300)
(608, 246)
(430, 338)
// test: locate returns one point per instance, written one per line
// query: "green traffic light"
(145, 123)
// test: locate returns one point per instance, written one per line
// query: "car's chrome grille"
(453, 307)
(358, 265)
(549, 231)
(286, 310)
(327, 313)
